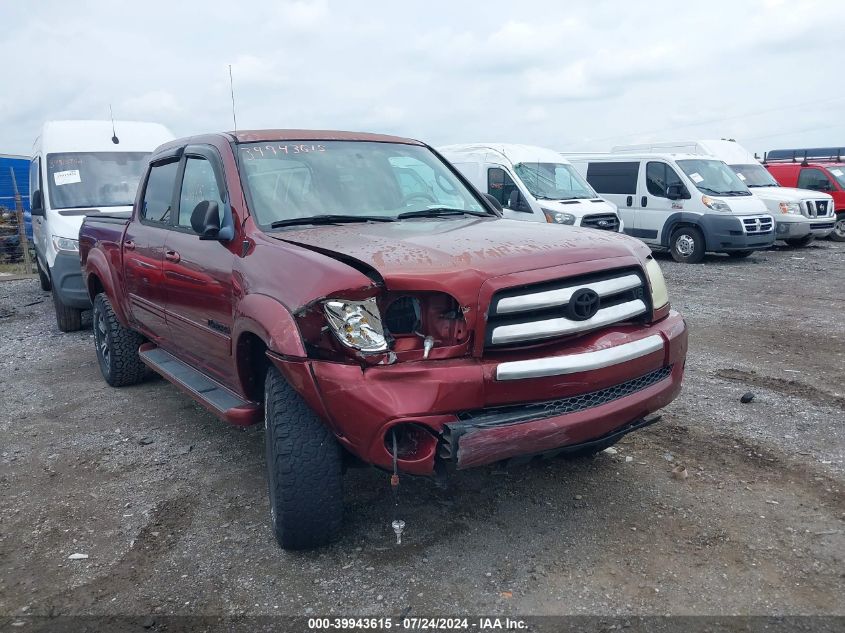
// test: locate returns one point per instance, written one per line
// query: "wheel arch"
(99, 277)
(681, 220)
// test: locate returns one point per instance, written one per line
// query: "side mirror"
(36, 203)
(675, 191)
(205, 220)
(494, 201)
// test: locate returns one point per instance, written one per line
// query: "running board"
(213, 396)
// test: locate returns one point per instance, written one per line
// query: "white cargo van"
(683, 203)
(533, 183)
(800, 214)
(79, 168)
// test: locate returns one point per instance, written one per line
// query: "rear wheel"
(687, 245)
(739, 254)
(800, 242)
(838, 234)
(43, 277)
(117, 346)
(304, 469)
(68, 319)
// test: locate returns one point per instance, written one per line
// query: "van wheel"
(304, 469)
(800, 242)
(739, 254)
(68, 319)
(43, 277)
(687, 245)
(838, 234)
(117, 346)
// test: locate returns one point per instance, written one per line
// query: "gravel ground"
(170, 504)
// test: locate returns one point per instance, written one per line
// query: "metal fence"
(16, 254)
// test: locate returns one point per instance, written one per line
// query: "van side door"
(617, 182)
(656, 205)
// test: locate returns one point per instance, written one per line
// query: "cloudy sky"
(572, 75)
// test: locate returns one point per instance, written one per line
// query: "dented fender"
(272, 322)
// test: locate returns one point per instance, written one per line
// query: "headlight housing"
(65, 244)
(716, 205)
(558, 217)
(659, 293)
(356, 324)
(790, 208)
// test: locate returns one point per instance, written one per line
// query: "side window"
(658, 177)
(198, 184)
(614, 177)
(816, 179)
(158, 192)
(34, 175)
(500, 185)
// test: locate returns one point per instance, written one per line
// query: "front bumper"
(791, 228)
(822, 227)
(66, 277)
(724, 233)
(473, 416)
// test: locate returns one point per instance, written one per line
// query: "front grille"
(602, 221)
(514, 414)
(540, 312)
(758, 224)
(815, 208)
(821, 208)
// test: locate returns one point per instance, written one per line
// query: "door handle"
(172, 256)
(129, 245)
(644, 202)
(629, 201)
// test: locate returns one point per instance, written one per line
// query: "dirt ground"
(170, 505)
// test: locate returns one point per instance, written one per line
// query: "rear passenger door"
(143, 249)
(198, 273)
(617, 182)
(656, 207)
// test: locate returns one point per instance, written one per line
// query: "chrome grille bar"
(560, 296)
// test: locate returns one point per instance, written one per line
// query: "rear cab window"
(157, 203)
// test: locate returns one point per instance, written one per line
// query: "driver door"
(198, 273)
(655, 205)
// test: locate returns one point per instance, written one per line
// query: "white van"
(800, 214)
(79, 168)
(683, 203)
(533, 183)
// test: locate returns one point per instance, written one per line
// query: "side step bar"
(213, 396)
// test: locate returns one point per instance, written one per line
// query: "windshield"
(838, 172)
(554, 181)
(290, 180)
(755, 175)
(94, 179)
(714, 177)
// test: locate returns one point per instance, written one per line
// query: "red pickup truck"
(360, 297)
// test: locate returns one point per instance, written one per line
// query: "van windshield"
(713, 177)
(554, 181)
(755, 175)
(290, 182)
(94, 179)
(838, 172)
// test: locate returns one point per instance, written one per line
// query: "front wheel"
(687, 245)
(68, 319)
(304, 469)
(838, 234)
(117, 346)
(739, 254)
(43, 277)
(800, 242)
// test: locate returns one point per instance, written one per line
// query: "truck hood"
(443, 254)
(788, 194)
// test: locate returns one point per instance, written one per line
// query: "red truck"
(820, 170)
(360, 297)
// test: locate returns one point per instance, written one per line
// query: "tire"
(117, 346)
(43, 277)
(739, 254)
(687, 245)
(838, 234)
(304, 469)
(68, 319)
(800, 242)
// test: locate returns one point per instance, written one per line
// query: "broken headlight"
(356, 324)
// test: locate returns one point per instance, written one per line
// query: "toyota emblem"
(583, 305)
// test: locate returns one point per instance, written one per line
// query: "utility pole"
(21, 227)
